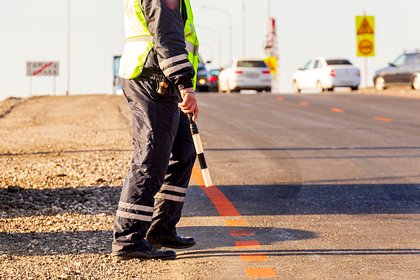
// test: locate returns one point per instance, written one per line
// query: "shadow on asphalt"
(310, 199)
(319, 199)
(99, 242)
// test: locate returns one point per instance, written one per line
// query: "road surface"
(308, 187)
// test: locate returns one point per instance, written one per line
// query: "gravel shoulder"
(62, 162)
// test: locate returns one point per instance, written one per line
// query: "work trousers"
(155, 187)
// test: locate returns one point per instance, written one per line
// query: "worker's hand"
(189, 102)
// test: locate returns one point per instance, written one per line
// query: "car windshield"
(400, 60)
(338, 62)
(252, 63)
(214, 72)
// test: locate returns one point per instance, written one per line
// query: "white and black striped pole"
(200, 152)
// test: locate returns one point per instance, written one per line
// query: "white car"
(245, 74)
(326, 74)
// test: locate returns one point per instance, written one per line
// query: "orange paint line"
(197, 176)
(254, 258)
(248, 243)
(260, 272)
(219, 200)
(226, 208)
(337, 110)
(236, 223)
(238, 233)
(280, 98)
(303, 104)
(383, 119)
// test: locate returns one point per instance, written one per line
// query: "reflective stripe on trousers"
(156, 184)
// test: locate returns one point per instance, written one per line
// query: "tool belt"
(162, 82)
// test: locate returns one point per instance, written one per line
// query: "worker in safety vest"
(158, 76)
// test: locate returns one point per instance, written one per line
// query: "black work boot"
(146, 254)
(174, 242)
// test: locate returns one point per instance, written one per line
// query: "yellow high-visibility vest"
(139, 40)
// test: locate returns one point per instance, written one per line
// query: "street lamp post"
(243, 28)
(229, 16)
(219, 39)
(68, 45)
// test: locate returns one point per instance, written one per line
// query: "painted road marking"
(280, 98)
(226, 209)
(236, 223)
(220, 201)
(239, 233)
(248, 243)
(337, 110)
(254, 258)
(260, 272)
(304, 104)
(383, 119)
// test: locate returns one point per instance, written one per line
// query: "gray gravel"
(62, 163)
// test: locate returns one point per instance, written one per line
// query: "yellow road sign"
(365, 31)
(272, 64)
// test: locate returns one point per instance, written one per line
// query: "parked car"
(245, 74)
(213, 79)
(202, 82)
(404, 70)
(326, 74)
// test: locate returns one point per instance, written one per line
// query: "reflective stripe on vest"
(139, 42)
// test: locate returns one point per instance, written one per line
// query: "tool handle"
(200, 152)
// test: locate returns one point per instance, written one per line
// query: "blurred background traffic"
(307, 46)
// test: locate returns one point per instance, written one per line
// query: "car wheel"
(354, 88)
(380, 83)
(296, 87)
(319, 87)
(415, 84)
(330, 89)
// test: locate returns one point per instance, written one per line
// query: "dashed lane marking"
(303, 104)
(238, 233)
(337, 110)
(383, 119)
(222, 204)
(236, 223)
(254, 258)
(248, 243)
(260, 272)
(226, 209)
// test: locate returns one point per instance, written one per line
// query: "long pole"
(243, 29)
(200, 152)
(366, 62)
(366, 72)
(30, 85)
(229, 16)
(54, 85)
(68, 45)
(219, 38)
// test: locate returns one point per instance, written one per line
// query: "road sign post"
(42, 68)
(365, 32)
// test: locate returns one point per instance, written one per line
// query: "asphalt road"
(307, 186)
(329, 185)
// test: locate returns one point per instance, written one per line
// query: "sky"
(37, 31)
